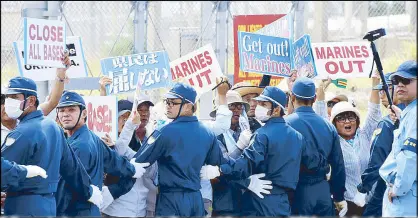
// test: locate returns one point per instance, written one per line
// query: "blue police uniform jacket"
(181, 155)
(323, 136)
(38, 140)
(11, 173)
(96, 158)
(275, 149)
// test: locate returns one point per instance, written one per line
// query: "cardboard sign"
(303, 60)
(148, 70)
(264, 54)
(198, 68)
(342, 59)
(251, 23)
(102, 115)
(44, 42)
(40, 73)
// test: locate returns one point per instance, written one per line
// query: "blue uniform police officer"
(399, 170)
(312, 195)
(38, 140)
(381, 147)
(12, 173)
(96, 157)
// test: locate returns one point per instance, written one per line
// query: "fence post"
(140, 26)
(299, 19)
(222, 34)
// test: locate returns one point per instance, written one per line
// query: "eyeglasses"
(170, 103)
(235, 105)
(397, 79)
(331, 104)
(343, 118)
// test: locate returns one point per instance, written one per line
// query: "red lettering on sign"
(335, 66)
(365, 51)
(329, 53)
(332, 67)
(100, 119)
(201, 60)
(59, 37)
(32, 35)
(185, 68)
(47, 33)
(357, 51)
(208, 58)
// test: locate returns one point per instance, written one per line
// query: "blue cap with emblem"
(274, 95)
(21, 85)
(304, 88)
(183, 91)
(407, 69)
(388, 82)
(69, 98)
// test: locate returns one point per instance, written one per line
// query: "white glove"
(139, 168)
(107, 198)
(209, 172)
(96, 197)
(360, 199)
(34, 171)
(342, 207)
(244, 139)
(259, 186)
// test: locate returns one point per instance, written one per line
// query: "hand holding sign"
(108, 140)
(62, 72)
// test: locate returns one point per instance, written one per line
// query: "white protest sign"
(342, 59)
(102, 115)
(39, 73)
(44, 42)
(198, 68)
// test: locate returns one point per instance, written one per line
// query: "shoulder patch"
(153, 137)
(376, 133)
(410, 144)
(9, 141)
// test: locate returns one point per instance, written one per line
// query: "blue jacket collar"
(276, 120)
(78, 132)
(305, 109)
(32, 115)
(408, 108)
(186, 119)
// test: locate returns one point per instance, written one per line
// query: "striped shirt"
(357, 155)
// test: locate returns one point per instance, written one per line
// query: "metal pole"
(222, 34)
(140, 26)
(299, 19)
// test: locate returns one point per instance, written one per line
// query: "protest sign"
(251, 23)
(148, 70)
(342, 59)
(278, 28)
(303, 60)
(264, 54)
(44, 42)
(198, 68)
(102, 115)
(40, 73)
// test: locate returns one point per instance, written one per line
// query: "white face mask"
(261, 113)
(12, 108)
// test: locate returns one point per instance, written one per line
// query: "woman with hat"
(355, 144)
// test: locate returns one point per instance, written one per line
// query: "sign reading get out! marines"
(251, 23)
(44, 42)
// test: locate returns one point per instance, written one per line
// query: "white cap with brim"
(329, 96)
(342, 107)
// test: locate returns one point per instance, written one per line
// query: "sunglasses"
(235, 105)
(331, 104)
(170, 103)
(397, 79)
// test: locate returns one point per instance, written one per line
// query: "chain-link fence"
(107, 28)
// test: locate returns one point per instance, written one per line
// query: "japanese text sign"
(264, 54)
(303, 58)
(44, 42)
(147, 70)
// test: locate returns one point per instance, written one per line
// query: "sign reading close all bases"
(44, 42)
(198, 68)
(40, 73)
(148, 70)
(102, 115)
(342, 59)
(264, 54)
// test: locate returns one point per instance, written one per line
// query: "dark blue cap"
(304, 88)
(274, 95)
(388, 82)
(184, 91)
(407, 69)
(22, 85)
(124, 106)
(70, 98)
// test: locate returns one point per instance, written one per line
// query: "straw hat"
(232, 97)
(245, 88)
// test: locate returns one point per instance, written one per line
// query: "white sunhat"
(342, 107)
